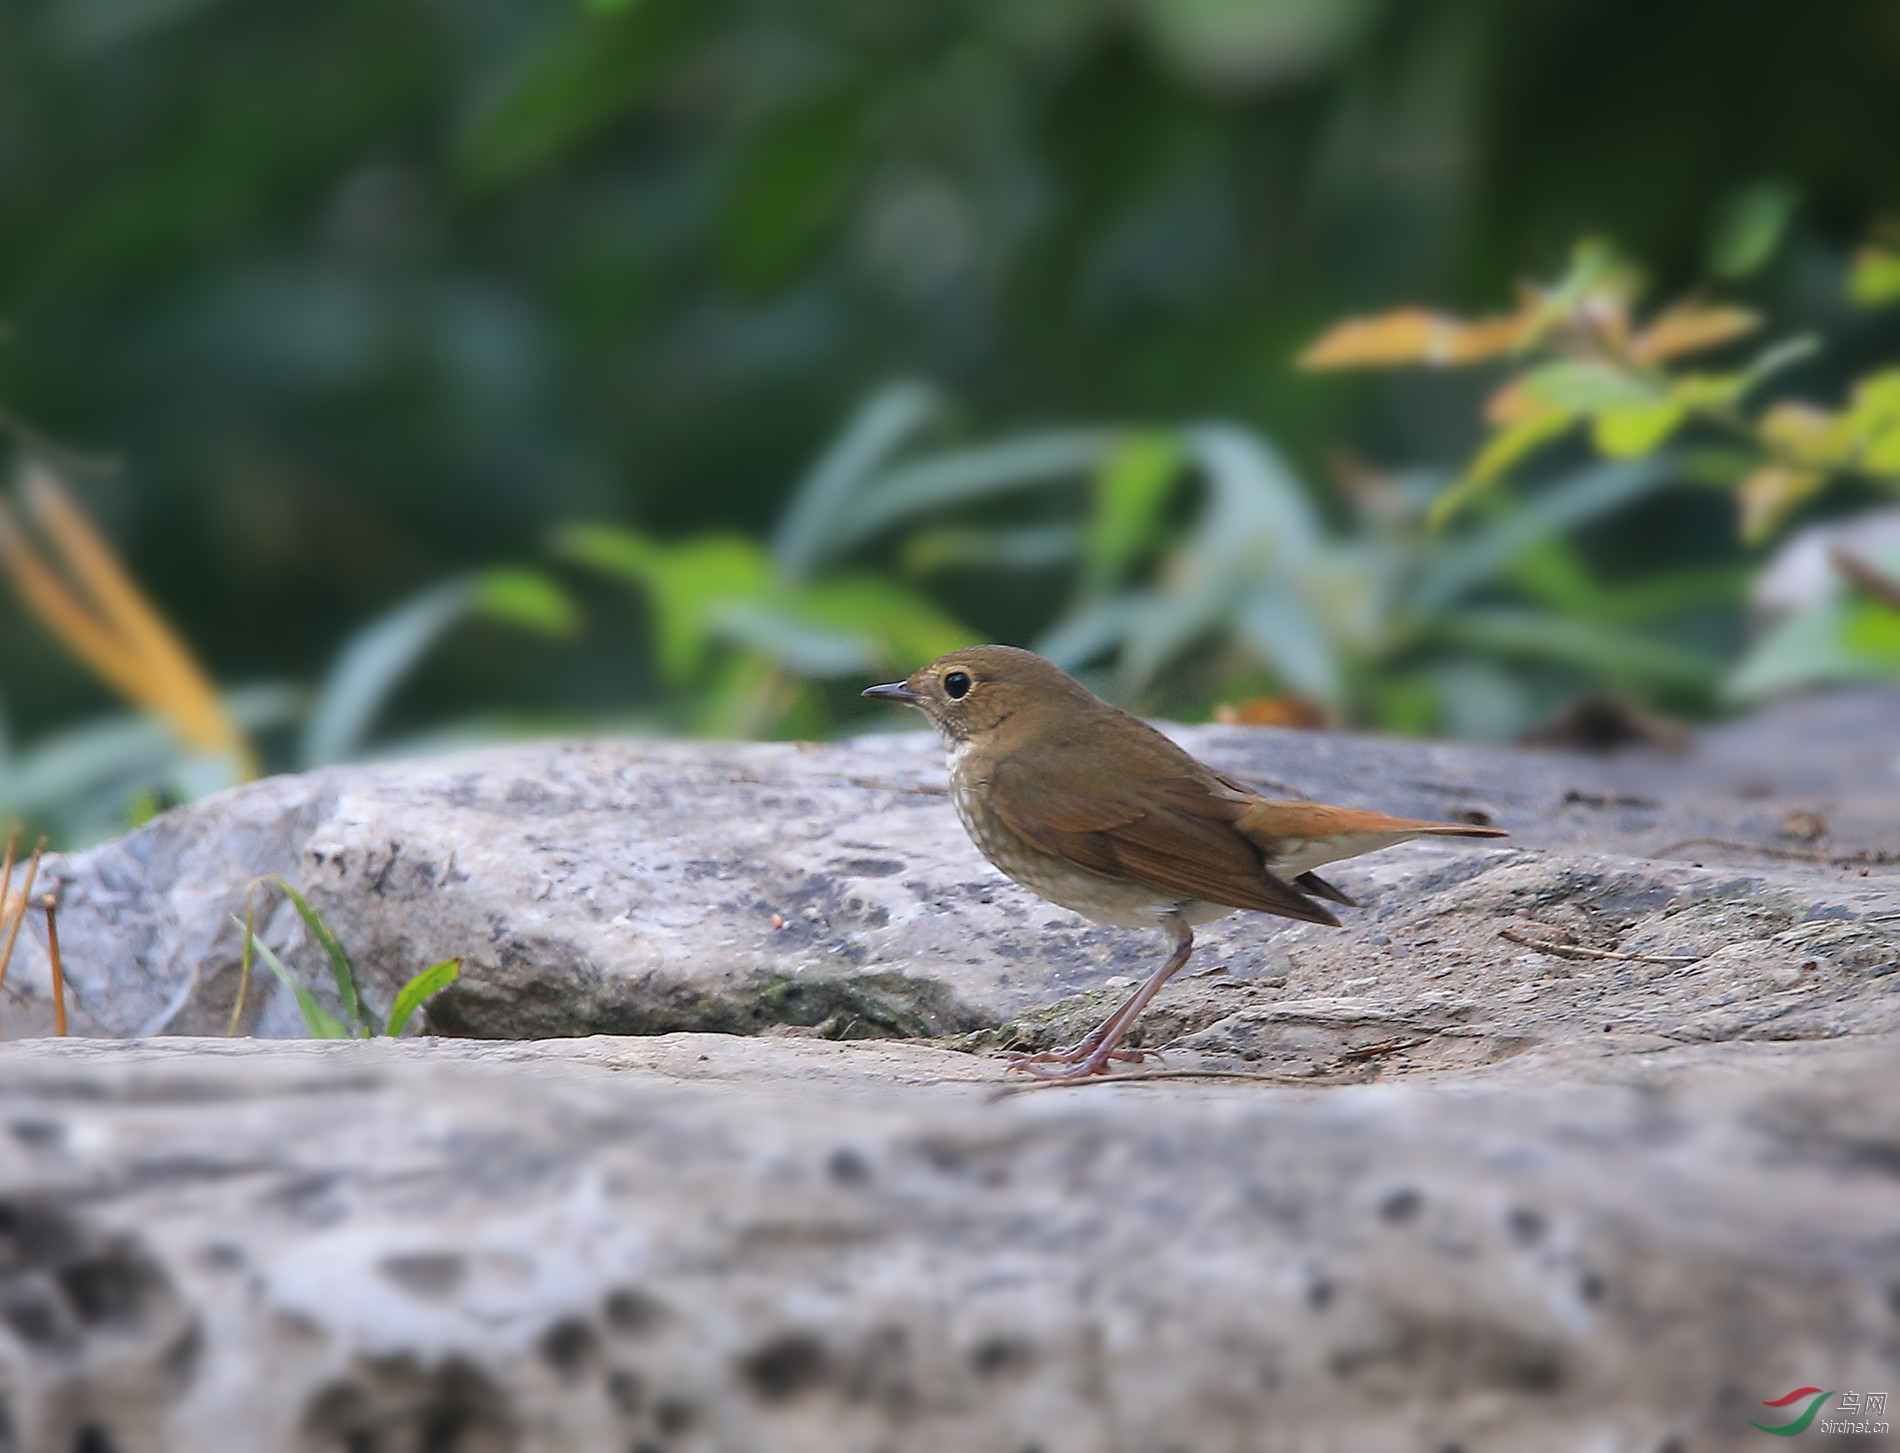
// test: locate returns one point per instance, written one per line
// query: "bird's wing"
(1173, 833)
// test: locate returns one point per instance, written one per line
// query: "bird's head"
(973, 692)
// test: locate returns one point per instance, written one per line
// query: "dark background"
(326, 301)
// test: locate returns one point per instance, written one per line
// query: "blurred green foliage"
(334, 303)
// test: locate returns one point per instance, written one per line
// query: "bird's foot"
(1074, 1061)
(1046, 1067)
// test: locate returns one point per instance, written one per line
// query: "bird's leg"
(1091, 1054)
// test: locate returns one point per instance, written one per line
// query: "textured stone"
(705, 1244)
(643, 887)
(1584, 1142)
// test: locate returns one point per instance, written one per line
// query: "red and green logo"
(1800, 1424)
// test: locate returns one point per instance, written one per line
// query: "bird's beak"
(894, 691)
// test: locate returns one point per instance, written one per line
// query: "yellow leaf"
(1806, 434)
(1626, 433)
(1412, 335)
(1688, 328)
(1513, 404)
(1771, 494)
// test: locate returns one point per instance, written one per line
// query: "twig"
(1872, 858)
(1576, 951)
(1134, 1077)
(1384, 1046)
(6, 873)
(1881, 586)
(51, 904)
(19, 916)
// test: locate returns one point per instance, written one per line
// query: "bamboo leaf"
(340, 967)
(321, 1023)
(1132, 488)
(431, 980)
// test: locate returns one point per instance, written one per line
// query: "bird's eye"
(956, 685)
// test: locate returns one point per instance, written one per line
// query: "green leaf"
(431, 980)
(1874, 279)
(904, 628)
(372, 664)
(1630, 431)
(805, 536)
(528, 599)
(791, 175)
(1027, 547)
(1835, 640)
(321, 1023)
(964, 476)
(1501, 451)
(340, 967)
(689, 581)
(576, 86)
(1604, 651)
(1749, 229)
(1586, 387)
(1871, 633)
(1132, 488)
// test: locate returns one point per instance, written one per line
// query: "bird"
(1093, 809)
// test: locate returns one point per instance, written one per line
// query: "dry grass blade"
(51, 904)
(11, 920)
(184, 693)
(1577, 951)
(62, 613)
(6, 873)
(100, 615)
(244, 960)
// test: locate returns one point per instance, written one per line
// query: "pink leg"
(1091, 1054)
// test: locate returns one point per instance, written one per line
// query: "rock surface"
(701, 1242)
(1588, 1141)
(639, 888)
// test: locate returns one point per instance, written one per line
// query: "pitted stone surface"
(705, 1244)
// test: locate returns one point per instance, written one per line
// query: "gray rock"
(707, 1244)
(645, 887)
(1586, 1141)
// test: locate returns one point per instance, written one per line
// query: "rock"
(646, 887)
(1585, 1141)
(697, 1242)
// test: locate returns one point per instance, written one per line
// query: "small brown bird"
(1100, 813)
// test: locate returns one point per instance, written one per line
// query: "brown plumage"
(1098, 812)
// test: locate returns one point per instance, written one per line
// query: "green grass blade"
(340, 965)
(320, 1021)
(431, 980)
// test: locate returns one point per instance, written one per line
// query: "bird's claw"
(1073, 1062)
